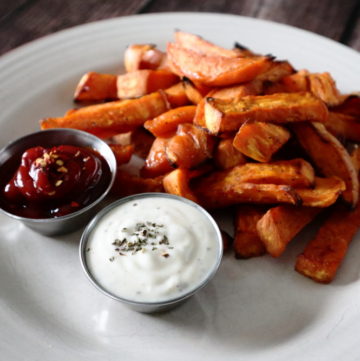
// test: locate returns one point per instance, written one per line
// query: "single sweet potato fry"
(156, 162)
(295, 172)
(198, 44)
(224, 188)
(127, 184)
(343, 126)
(140, 139)
(350, 106)
(177, 182)
(105, 120)
(226, 115)
(281, 224)
(96, 87)
(195, 93)
(199, 119)
(355, 157)
(247, 243)
(325, 192)
(323, 86)
(190, 146)
(324, 254)
(142, 56)
(167, 122)
(141, 82)
(176, 95)
(329, 156)
(122, 153)
(218, 193)
(260, 140)
(213, 70)
(226, 155)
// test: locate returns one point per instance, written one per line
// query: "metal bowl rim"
(94, 139)
(92, 224)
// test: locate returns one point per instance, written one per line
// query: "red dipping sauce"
(53, 182)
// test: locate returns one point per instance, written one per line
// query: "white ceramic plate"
(259, 309)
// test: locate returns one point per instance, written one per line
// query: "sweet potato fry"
(277, 71)
(329, 156)
(247, 243)
(156, 162)
(214, 70)
(127, 184)
(142, 82)
(226, 115)
(176, 95)
(343, 126)
(281, 224)
(260, 140)
(350, 106)
(122, 153)
(324, 254)
(295, 172)
(325, 192)
(219, 192)
(177, 182)
(140, 139)
(226, 155)
(293, 83)
(195, 93)
(323, 86)
(190, 146)
(142, 56)
(96, 87)
(199, 118)
(167, 122)
(105, 120)
(198, 44)
(355, 157)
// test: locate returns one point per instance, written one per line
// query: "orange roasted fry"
(140, 139)
(219, 192)
(198, 44)
(247, 243)
(156, 162)
(127, 184)
(213, 70)
(350, 106)
(279, 225)
(226, 155)
(143, 56)
(226, 115)
(329, 156)
(96, 87)
(141, 82)
(167, 122)
(343, 126)
(199, 118)
(195, 93)
(176, 95)
(105, 120)
(355, 157)
(260, 140)
(325, 192)
(323, 86)
(122, 153)
(177, 182)
(324, 254)
(190, 146)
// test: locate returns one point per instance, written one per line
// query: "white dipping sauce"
(152, 249)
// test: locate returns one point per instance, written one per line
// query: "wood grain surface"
(24, 20)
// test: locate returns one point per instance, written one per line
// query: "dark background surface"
(24, 20)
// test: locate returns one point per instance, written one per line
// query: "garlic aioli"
(152, 249)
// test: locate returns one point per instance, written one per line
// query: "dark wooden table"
(24, 20)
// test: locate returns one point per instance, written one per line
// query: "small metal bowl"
(51, 138)
(144, 306)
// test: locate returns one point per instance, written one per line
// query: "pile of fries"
(231, 128)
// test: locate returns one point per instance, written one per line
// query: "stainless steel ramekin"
(51, 138)
(149, 307)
